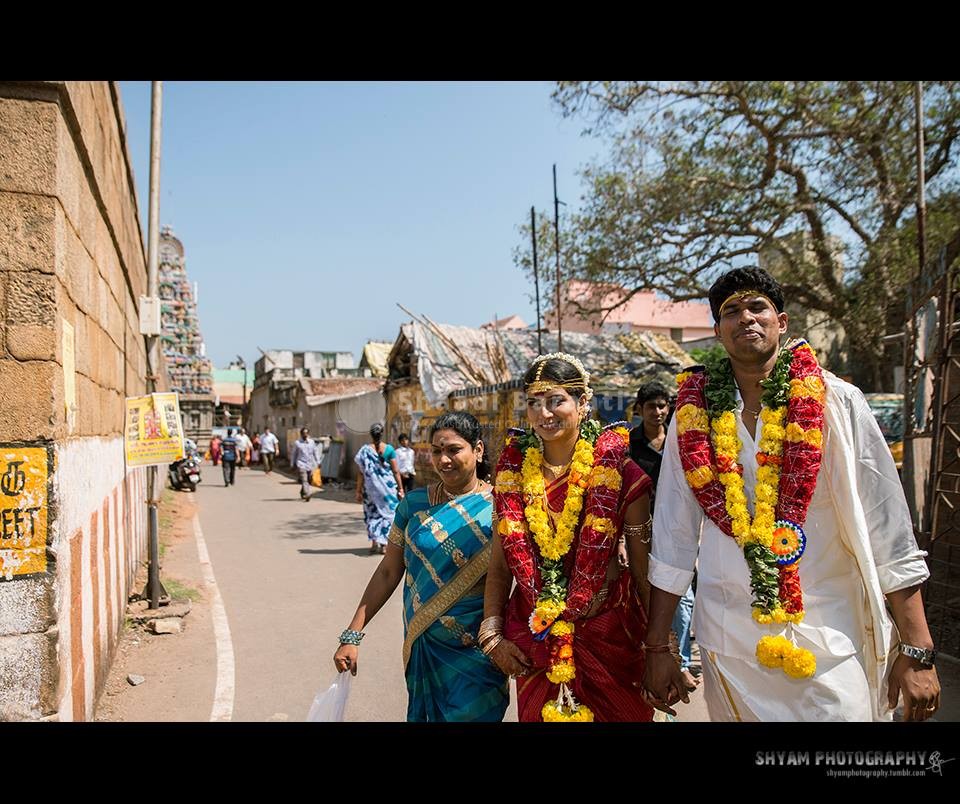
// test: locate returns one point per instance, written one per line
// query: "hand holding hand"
(510, 659)
(662, 682)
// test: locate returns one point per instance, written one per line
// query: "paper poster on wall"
(154, 431)
(23, 510)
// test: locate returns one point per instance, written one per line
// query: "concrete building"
(72, 269)
(583, 303)
(341, 408)
(230, 395)
(287, 364)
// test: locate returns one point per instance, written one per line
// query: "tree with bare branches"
(707, 175)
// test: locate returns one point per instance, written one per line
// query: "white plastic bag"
(329, 706)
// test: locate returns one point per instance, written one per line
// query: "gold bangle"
(493, 622)
(484, 636)
(489, 647)
(644, 531)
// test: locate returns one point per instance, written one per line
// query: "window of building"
(283, 421)
(676, 334)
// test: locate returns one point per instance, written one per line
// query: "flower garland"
(788, 461)
(520, 495)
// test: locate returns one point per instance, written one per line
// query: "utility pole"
(153, 362)
(556, 232)
(244, 419)
(536, 278)
(921, 177)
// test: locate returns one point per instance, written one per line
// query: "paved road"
(290, 575)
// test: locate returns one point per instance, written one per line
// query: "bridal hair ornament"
(539, 386)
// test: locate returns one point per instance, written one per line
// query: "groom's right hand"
(662, 682)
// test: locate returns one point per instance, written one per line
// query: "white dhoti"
(739, 691)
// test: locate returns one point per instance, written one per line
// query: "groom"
(782, 461)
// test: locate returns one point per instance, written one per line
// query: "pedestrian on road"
(305, 459)
(268, 449)
(215, 449)
(405, 462)
(448, 676)
(255, 450)
(771, 458)
(379, 488)
(228, 454)
(243, 448)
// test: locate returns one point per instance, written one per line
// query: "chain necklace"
(557, 469)
(440, 490)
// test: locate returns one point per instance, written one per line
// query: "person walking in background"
(255, 450)
(228, 454)
(243, 448)
(379, 488)
(305, 459)
(654, 406)
(268, 449)
(215, 449)
(405, 462)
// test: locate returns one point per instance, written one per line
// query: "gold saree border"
(441, 602)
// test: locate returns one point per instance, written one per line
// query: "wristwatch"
(925, 656)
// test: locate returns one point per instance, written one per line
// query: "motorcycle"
(184, 473)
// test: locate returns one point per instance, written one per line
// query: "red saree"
(606, 645)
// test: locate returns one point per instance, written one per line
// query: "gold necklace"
(557, 470)
(449, 496)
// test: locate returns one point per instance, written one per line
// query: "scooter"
(184, 473)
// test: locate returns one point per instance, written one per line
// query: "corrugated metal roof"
(319, 391)
(453, 358)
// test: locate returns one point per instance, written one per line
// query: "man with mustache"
(808, 594)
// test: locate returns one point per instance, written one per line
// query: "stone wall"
(72, 269)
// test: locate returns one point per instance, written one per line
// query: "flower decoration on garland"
(788, 462)
(538, 563)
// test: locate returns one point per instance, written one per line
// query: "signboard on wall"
(153, 433)
(24, 500)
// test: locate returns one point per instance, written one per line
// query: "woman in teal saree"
(440, 546)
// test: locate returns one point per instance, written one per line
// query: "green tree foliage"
(818, 177)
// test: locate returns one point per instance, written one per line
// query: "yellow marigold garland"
(774, 652)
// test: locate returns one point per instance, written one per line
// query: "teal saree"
(446, 549)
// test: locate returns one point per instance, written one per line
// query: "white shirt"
(243, 442)
(268, 442)
(860, 546)
(405, 458)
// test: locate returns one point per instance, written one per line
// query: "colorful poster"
(154, 431)
(23, 510)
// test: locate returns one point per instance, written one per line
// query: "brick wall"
(72, 268)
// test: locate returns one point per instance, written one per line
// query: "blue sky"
(307, 210)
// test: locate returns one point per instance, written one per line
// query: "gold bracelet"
(493, 622)
(644, 531)
(483, 636)
(488, 648)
